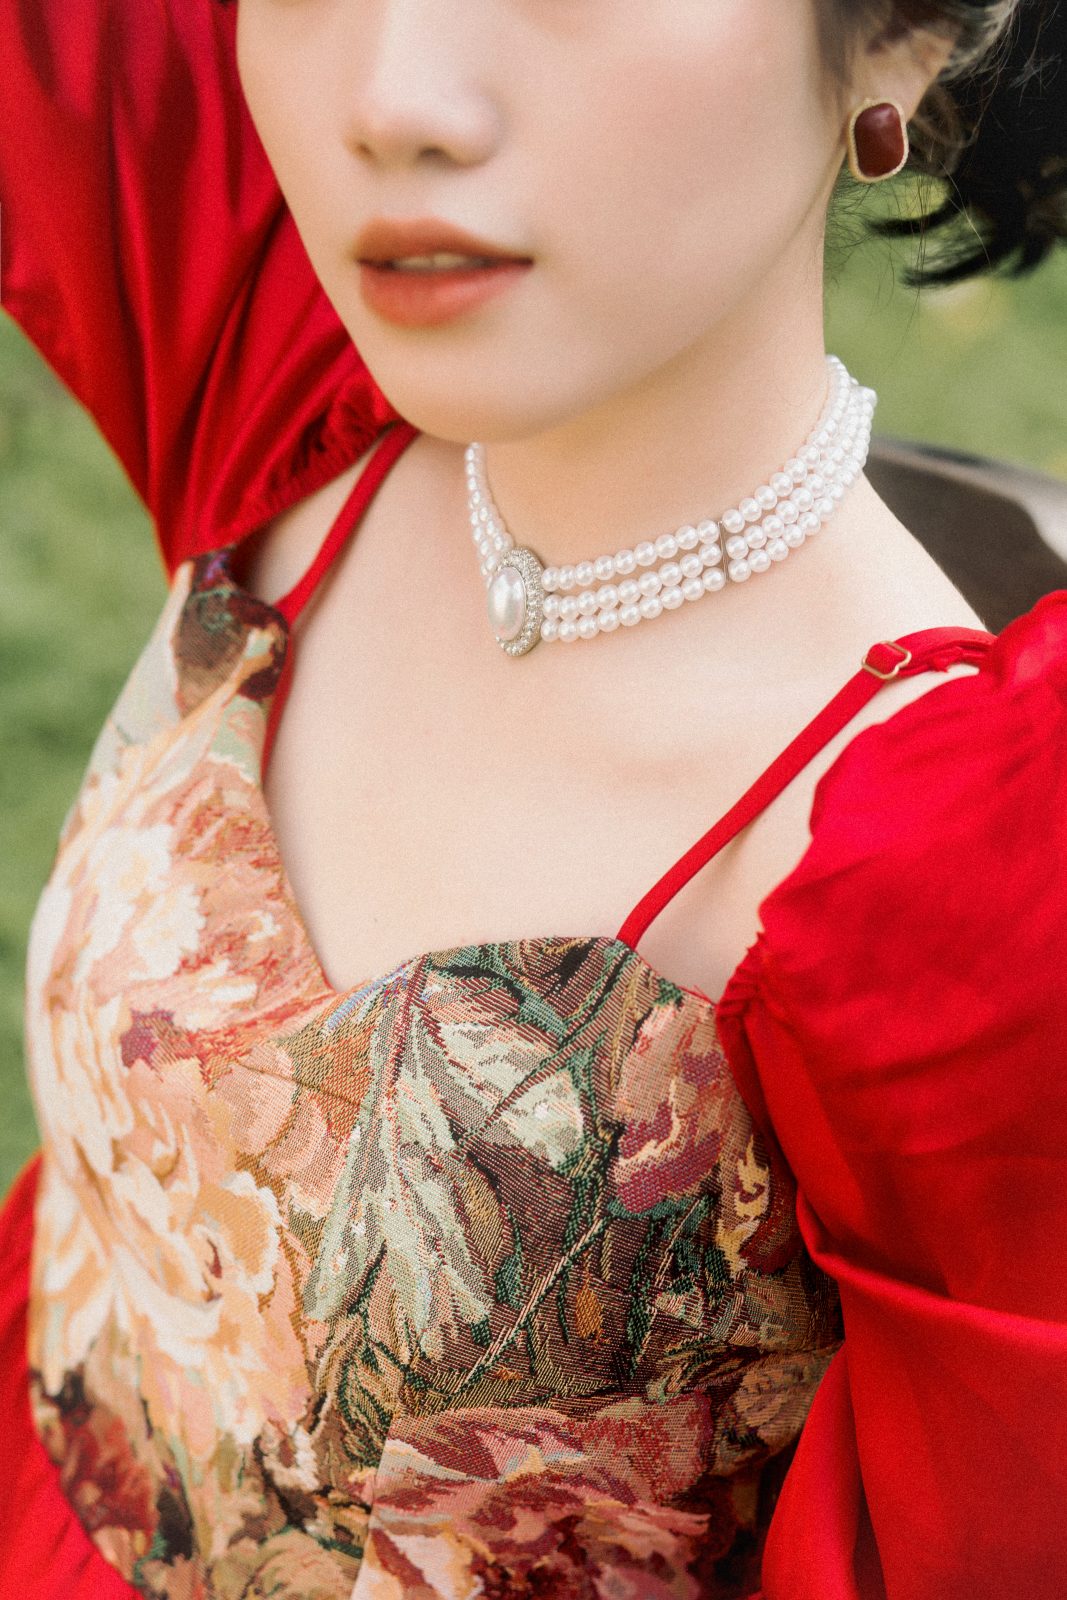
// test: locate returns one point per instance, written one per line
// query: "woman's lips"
(415, 299)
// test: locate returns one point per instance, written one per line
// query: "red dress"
(897, 1029)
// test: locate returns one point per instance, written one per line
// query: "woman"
(516, 1267)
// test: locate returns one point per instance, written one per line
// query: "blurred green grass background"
(982, 367)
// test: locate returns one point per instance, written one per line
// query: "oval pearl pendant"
(515, 601)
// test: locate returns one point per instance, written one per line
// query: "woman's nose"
(415, 85)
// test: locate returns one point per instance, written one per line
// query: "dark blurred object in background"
(998, 531)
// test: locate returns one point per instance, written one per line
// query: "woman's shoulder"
(898, 1025)
(930, 895)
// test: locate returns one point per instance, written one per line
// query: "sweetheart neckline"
(279, 625)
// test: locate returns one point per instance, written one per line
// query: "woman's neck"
(687, 442)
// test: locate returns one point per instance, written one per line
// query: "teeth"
(439, 261)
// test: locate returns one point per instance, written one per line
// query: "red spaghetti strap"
(394, 442)
(929, 649)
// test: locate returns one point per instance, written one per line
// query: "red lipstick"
(425, 296)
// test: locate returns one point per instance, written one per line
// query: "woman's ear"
(902, 68)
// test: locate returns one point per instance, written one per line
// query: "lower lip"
(423, 299)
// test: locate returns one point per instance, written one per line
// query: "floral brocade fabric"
(474, 1281)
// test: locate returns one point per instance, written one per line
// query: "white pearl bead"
(714, 578)
(650, 606)
(588, 627)
(824, 506)
(837, 492)
(750, 509)
(568, 632)
(549, 629)
(628, 616)
(782, 484)
(492, 562)
(604, 568)
(671, 598)
(650, 583)
(609, 621)
(707, 530)
(777, 549)
(566, 577)
(690, 566)
(739, 571)
(802, 498)
(796, 469)
(737, 546)
(688, 538)
(568, 607)
(550, 579)
(666, 547)
(587, 603)
(584, 573)
(645, 553)
(809, 523)
(816, 483)
(772, 526)
(629, 592)
(625, 562)
(607, 596)
(756, 538)
(732, 521)
(809, 455)
(670, 574)
(759, 561)
(710, 555)
(788, 512)
(693, 588)
(794, 537)
(766, 497)
(550, 605)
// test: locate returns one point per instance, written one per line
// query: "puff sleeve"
(147, 252)
(900, 1029)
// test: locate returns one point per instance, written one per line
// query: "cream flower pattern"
(475, 1281)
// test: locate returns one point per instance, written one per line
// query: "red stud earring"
(877, 140)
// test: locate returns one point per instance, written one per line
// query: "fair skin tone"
(669, 168)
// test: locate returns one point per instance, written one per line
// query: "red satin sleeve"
(900, 1028)
(147, 252)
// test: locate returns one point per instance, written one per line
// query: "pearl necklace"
(528, 602)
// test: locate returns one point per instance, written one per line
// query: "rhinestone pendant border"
(529, 567)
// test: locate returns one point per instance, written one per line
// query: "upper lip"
(389, 239)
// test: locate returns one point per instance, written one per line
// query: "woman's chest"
(411, 816)
(426, 790)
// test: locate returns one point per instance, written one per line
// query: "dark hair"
(993, 126)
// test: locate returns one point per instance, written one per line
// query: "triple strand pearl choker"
(528, 602)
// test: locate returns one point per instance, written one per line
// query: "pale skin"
(669, 167)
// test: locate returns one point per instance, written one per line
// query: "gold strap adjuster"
(886, 644)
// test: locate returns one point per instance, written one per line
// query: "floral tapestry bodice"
(476, 1280)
